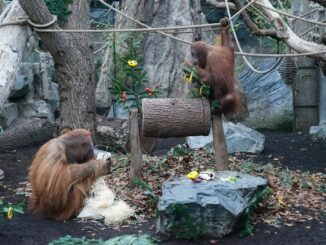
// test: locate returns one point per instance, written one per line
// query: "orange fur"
(215, 66)
(61, 174)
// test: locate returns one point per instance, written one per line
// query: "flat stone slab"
(210, 208)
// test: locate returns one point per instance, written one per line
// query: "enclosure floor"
(287, 149)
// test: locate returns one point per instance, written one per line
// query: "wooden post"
(221, 154)
(135, 148)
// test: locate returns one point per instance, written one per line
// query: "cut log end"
(174, 117)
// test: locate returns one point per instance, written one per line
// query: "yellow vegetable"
(193, 175)
(132, 63)
(185, 77)
(201, 90)
(9, 213)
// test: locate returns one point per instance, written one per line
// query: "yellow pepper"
(193, 175)
(9, 213)
(132, 63)
(185, 77)
(201, 90)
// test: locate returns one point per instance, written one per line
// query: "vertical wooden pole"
(221, 154)
(135, 148)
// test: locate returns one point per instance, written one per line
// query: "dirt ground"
(292, 150)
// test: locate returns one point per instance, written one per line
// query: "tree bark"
(12, 44)
(305, 85)
(175, 117)
(30, 133)
(73, 58)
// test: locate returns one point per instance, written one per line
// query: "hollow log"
(174, 117)
(12, 44)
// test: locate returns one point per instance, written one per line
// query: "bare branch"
(292, 40)
(253, 26)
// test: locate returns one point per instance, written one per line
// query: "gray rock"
(21, 85)
(318, 132)
(8, 115)
(239, 138)
(37, 108)
(121, 111)
(213, 206)
(163, 57)
(102, 15)
(269, 98)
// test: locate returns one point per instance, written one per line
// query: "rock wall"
(35, 93)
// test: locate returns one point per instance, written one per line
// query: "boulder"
(188, 209)
(21, 86)
(239, 138)
(8, 115)
(121, 111)
(318, 132)
(38, 108)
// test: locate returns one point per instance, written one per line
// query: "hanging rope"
(240, 49)
(170, 28)
(291, 15)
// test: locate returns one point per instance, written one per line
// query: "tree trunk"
(322, 97)
(305, 85)
(73, 58)
(164, 56)
(12, 44)
(175, 117)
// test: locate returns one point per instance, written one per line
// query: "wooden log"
(12, 44)
(30, 133)
(175, 117)
(112, 134)
(135, 148)
(221, 154)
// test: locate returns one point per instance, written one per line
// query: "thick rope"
(160, 29)
(25, 20)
